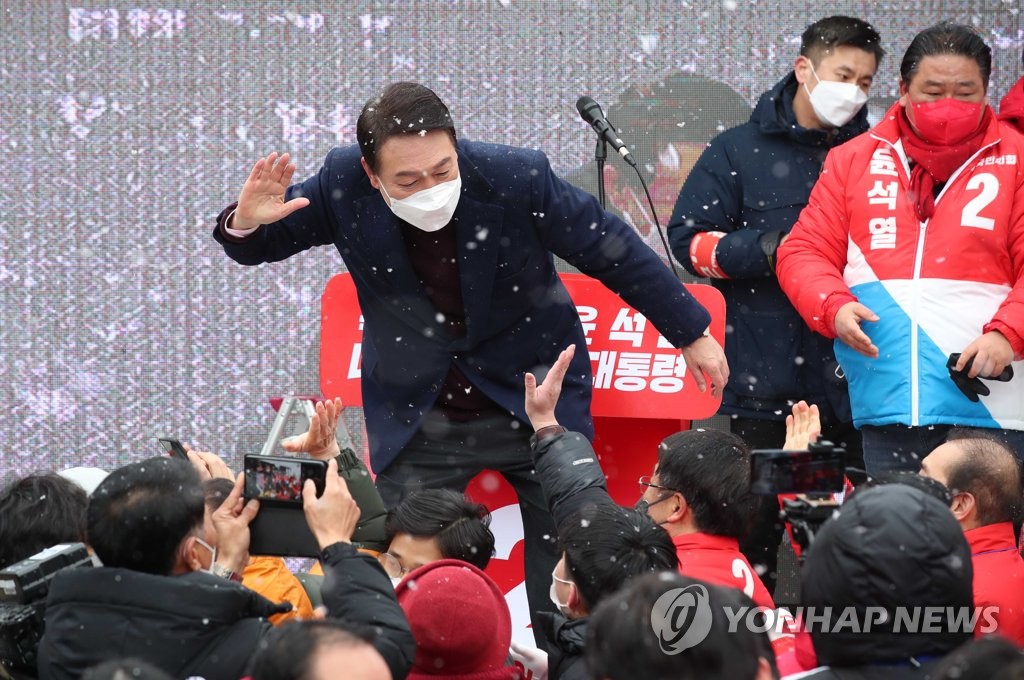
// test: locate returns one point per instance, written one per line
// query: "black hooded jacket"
(201, 625)
(194, 624)
(892, 547)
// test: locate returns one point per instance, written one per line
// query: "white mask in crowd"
(429, 209)
(563, 607)
(213, 553)
(835, 103)
(395, 580)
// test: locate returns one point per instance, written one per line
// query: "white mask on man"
(563, 607)
(834, 103)
(213, 554)
(430, 209)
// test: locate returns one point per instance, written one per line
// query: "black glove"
(973, 388)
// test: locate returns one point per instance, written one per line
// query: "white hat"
(86, 477)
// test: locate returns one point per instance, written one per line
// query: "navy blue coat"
(752, 182)
(512, 215)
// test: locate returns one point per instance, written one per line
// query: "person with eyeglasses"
(433, 525)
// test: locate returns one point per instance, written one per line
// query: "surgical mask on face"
(946, 121)
(213, 554)
(563, 607)
(834, 103)
(395, 580)
(430, 209)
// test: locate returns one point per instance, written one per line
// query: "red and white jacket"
(935, 285)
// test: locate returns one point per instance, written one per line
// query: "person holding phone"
(149, 589)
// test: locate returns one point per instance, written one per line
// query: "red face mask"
(946, 121)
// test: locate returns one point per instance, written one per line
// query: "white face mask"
(835, 104)
(563, 607)
(213, 554)
(430, 209)
(395, 580)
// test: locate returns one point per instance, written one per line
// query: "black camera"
(813, 475)
(23, 589)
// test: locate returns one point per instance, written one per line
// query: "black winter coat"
(751, 183)
(201, 625)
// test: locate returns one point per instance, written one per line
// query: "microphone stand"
(601, 155)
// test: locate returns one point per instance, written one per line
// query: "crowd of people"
(903, 243)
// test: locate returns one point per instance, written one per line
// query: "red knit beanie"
(460, 621)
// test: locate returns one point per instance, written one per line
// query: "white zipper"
(915, 395)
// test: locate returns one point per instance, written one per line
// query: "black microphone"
(591, 112)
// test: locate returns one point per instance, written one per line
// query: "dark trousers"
(901, 447)
(447, 454)
(761, 547)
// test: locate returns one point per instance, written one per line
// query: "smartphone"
(818, 470)
(279, 527)
(173, 448)
(278, 480)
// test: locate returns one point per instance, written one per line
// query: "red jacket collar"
(991, 537)
(704, 541)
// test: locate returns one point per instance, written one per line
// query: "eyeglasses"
(645, 482)
(392, 565)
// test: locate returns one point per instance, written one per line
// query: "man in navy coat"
(450, 247)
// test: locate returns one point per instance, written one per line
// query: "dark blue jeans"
(901, 447)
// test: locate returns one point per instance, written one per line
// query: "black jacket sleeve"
(569, 473)
(356, 589)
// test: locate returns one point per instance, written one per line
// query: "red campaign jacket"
(718, 560)
(1011, 109)
(998, 579)
(935, 285)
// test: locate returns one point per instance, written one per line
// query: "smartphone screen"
(277, 479)
(172, 447)
(780, 472)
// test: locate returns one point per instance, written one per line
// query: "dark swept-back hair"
(460, 526)
(946, 38)
(622, 645)
(287, 652)
(401, 109)
(825, 35)
(37, 512)
(988, 470)
(141, 512)
(711, 469)
(606, 544)
(216, 491)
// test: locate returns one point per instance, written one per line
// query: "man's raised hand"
(262, 198)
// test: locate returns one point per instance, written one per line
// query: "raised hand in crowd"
(261, 200)
(320, 441)
(231, 524)
(803, 427)
(333, 517)
(208, 465)
(542, 399)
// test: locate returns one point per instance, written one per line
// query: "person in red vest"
(985, 479)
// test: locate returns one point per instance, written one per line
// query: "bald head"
(975, 463)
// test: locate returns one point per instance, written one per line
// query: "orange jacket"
(269, 576)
